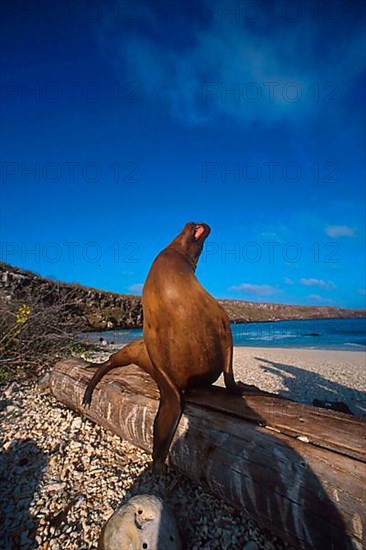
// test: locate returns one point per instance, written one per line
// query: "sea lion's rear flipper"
(135, 353)
(166, 420)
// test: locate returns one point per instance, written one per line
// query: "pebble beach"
(62, 476)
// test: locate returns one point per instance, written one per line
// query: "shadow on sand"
(304, 386)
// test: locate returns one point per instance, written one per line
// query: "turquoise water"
(345, 334)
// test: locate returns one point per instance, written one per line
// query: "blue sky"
(122, 121)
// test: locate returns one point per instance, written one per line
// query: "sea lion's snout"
(191, 240)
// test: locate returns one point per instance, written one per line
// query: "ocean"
(338, 334)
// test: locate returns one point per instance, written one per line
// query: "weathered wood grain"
(328, 429)
(246, 450)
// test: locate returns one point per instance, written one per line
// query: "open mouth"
(198, 231)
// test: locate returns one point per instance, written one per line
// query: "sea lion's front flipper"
(166, 420)
(135, 353)
(237, 388)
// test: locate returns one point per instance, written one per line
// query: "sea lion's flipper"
(237, 388)
(135, 353)
(166, 420)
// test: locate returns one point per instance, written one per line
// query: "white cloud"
(288, 281)
(335, 231)
(257, 290)
(361, 291)
(325, 285)
(137, 287)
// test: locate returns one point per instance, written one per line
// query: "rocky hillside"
(101, 310)
(240, 311)
(107, 310)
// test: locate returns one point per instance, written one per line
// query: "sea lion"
(187, 341)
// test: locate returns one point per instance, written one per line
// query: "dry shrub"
(34, 330)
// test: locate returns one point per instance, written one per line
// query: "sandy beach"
(305, 374)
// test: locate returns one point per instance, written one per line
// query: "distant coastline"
(104, 310)
(322, 334)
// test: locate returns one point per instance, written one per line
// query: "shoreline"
(357, 348)
(113, 346)
(244, 322)
(306, 348)
(322, 334)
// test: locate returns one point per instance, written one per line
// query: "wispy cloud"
(257, 290)
(335, 231)
(197, 81)
(361, 291)
(325, 285)
(288, 281)
(137, 287)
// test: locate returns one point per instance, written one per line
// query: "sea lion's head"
(190, 241)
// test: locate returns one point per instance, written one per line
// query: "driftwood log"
(300, 471)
